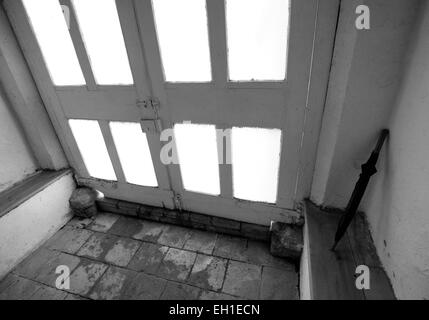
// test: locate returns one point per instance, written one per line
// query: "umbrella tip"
(333, 247)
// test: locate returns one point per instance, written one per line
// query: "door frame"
(322, 48)
(67, 102)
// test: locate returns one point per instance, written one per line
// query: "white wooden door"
(93, 101)
(156, 103)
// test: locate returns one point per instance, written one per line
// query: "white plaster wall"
(397, 206)
(380, 78)
(16, 158)
(25, 101)
(365, 77)
(36, 220)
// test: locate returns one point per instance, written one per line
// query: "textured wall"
(365, 78)
(16, 159)
(380, 78)
(24, 228)
(397, 206)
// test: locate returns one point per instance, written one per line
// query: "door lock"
(152, 103)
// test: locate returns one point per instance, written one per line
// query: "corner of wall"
(345, 42)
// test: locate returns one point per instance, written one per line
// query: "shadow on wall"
(380, 78)
(16, 158)
(366, 75)
(397, 202)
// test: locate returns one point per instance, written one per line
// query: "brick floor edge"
(186, 219)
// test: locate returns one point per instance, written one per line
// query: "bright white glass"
(198, 157)
(50, 28)
(134, 153)
(91, 145)
(257, 36)
(104, 41)
(255, 163)
(183, 39)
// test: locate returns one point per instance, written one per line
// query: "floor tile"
(103, 222)
(97, 246)
(179, 291)
(243, 280)
(150, 231)
(210, 295)
(258, 252)
(145, 287)
(208, 272)
(8, 281)
(68, 239)
(74, 297)
(122, 252)
(174, 236)
(176, 264)
(35, 263)
(231, 247)
(148, 258)
(279, 284)
(48, 274)
(201, 241)
(21, 289)
(78, 222)
(126, 226)
(85, 276)
(48, 293)
(112, 284)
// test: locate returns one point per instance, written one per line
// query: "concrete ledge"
(32, 212)
(327, 275)
(24, 190)
(186, 219)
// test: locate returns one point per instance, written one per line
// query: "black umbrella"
(368, 169)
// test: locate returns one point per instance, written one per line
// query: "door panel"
(101, 103)
(254, 104)
(104, 104)
(225, 104)
(206, 104)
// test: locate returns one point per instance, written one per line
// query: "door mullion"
(111, 149)
(79, 45)
(148, 35)
(217, 40)
(134, 48)
(160, 170)
(147, 29)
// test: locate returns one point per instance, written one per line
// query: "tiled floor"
(116, 257)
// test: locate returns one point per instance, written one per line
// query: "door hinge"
(178, 201)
